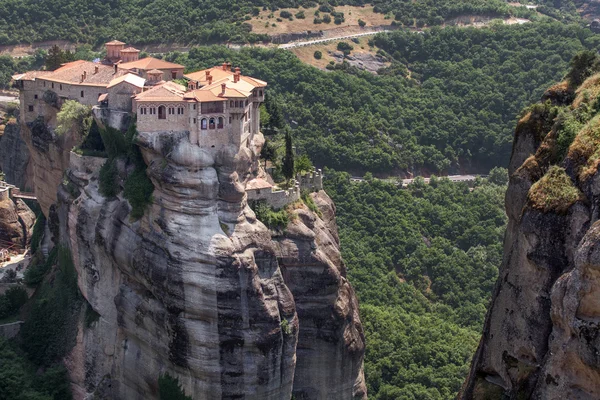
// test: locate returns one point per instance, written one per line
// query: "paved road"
(453, 178)
(331, 39)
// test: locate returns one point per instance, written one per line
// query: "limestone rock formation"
(198, 288)
(541, 336)
(16, 222)
(14, 158)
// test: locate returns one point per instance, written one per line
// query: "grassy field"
(263, 23)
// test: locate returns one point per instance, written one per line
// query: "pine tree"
(55, 58)
(288, 159)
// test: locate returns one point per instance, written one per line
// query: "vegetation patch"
(554, 192)
(38, 232)
(584, 152)
(73, 116)
(39, 267)
(169, 388)
(51, 327)
(274, 220)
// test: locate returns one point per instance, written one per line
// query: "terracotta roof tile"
(150, 63)
(168, 91)
(115, 42)
(133, 79)
(72, 72)
(30, 75)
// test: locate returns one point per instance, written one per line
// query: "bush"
(318, 55)
(303, 164)
(169, 388)
(344, 47)
(73, 114)
(12, 300)
(300, 15)
(107, 179)
(326, 18)
(276, 220)
(317, 21)
(361, 23)
(326, 8)
(138, 191)
(285, 14)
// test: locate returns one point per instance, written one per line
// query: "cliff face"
(541, 338)
(14, 158)
(16, 222)
(199, 288)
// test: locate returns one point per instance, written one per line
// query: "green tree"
(361, 23)
(169, 388)
(288, 158)
(268, 151)
(498, 176)
(318, 55)
(303, 164)
(73, 114)
(582, 65)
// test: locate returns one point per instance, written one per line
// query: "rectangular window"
(194, 106)
(173, 74)
(82, 93)
(194, 120)
(35, 96)
(30, 108)
(44, 83)
(229, 119)
(60, 86)
(52, 85)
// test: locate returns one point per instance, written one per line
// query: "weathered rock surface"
(199, 288)
(365, 61)
(541, 336)
(14, 158)
(16, 223)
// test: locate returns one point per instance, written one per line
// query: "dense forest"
(423, 261)
(217, 21)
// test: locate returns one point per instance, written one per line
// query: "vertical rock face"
(16, 222)
(199, 288)
(541, 337)
(14, 158)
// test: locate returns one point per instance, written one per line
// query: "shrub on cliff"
(554, 192)
(169, 388)
(12, 300)
(138, 191)
(107, 179)
(73, 114)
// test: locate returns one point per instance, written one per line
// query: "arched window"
(246, 103)
(171, 110)
(211, 123)
(260, 92)
(152, 110)
(162, 112)
(179, 110)
(231, 103)
(143, 111)
(237, 103)
(203, 124)
(220, 123)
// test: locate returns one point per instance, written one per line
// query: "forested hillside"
(423, 262)
(455, 112)
(195, 21)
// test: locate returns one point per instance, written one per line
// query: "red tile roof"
(149, 63)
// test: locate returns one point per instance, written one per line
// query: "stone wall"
(312, 181)
(275, 198)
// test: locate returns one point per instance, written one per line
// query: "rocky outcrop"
(14, 158)
(16, 223)
(198, 288)
(541, 337)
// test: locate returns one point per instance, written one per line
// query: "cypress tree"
(288, 159)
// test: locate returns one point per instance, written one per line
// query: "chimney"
(223, 87)
(84, 75)
(96, 69)
(236, 77)
(237, 70)
(82, 78)
(224, 66)
(210, 79)
(228, 66)
(115, 68)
